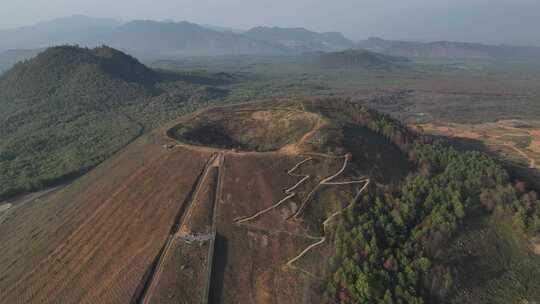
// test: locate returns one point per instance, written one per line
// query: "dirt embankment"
(185, 229)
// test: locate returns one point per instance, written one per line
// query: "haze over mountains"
(143, 37)
(300, 39)
(168, 39)
(446, 49)
(266, 174)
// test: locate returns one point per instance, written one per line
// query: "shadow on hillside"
(196, 77)
(218, 270)
(516, 170)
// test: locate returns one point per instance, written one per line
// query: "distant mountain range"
(300, 39)
(446, 49)
(151, 38)
(76, 29)
(351, 59)
(168, 38)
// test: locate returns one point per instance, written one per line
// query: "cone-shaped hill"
(263, 176)
(69, 108)
(272, 202)
(67, 70)
(353, 58)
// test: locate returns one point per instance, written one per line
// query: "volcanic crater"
(231, 204)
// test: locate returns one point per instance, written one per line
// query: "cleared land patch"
(516, 142)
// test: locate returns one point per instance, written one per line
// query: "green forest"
(387, 249)
(70, 108)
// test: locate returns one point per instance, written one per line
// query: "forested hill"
(62, 70)
(448, 49)
(457, 229)
(350, 59)
(69, 108)
(300, 39)
(169, 39)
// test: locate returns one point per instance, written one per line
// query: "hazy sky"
(493, 21)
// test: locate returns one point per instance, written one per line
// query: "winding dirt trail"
(328, 221)
(325, 181)
(290, 194)
(532, 161)
(289, 191)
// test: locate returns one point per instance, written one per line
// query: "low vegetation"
(246, 129)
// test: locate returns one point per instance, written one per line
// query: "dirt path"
(290, 191)
(215, 211)
(5, 207)
(327, 222)
(215, 162)
(532, 161)
(325, 181)
(23, 199)
(152, 282)
(481, 131)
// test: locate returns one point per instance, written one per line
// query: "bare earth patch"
(535, 246)
(246, 129)
(5, 207)
(520, 137)
(535, 143)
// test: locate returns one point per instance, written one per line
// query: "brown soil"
(535, 146)
(535, 143)
(184, 274)
(536, 249)
(246, 128)
(5, 207)
(100, 238)
(495, 134)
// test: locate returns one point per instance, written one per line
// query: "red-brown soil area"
(167, 221)
(93, 241)
(198, 218)
(184, 275)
